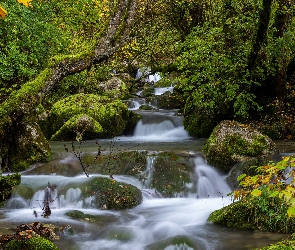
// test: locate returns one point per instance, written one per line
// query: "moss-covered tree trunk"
(22, 103)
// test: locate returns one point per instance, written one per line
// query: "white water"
(163, 131)
(155, 220)
(161, 91)
(210, 183)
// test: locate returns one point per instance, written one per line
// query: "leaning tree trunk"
(22, 102)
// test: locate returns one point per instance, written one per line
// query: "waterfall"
(163, 131)
(209, 182)
(161, 91)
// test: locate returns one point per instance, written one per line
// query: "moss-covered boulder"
(34, 243)
(254, 214)
(114, 88)
(232, 142)
(171, 174)
(131, 163)
(112, 115)
(111, 194)
(78, 127)
(27, 147)
(7, 183)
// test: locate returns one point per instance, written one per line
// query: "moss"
(25, 98)
(78, 215)
(30, 146)
(254, 214)
(111, 194)
(34, 243)
(78, 126)
(7, 183)
(131, 163)
(285, 244)
(231, 142)
(113, 116)
(171, 173)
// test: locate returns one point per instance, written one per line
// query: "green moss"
(30, 146)
(25, 99)
(34, 243)
(7, 183)
(268, 214)
(131, 163)
(78, 126)
(113, 116)
(231, 142)
(111, 194)
(285, 244)
(171, 173)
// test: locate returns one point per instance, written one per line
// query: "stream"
(178, 223)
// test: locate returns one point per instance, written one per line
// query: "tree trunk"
(261, 33)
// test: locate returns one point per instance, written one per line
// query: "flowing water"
(157, 223)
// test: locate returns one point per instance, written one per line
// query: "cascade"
(210, 183)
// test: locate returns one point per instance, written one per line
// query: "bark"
(112, 39)
(264, 18)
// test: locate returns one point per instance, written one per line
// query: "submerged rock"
(232, 142)
(111, 194)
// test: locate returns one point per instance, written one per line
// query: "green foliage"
(265, 201)
(34, 243)
(27, 40)
(7, 183)
(231, 71)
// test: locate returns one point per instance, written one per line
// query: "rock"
(232, 142)
(113, 88)
(78, 127)
(29, 146)
(111, 194)
(70, 116)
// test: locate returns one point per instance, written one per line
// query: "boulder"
(103, 116)
(111, 194)
(29, 146)
(113, 88)
(232, 142)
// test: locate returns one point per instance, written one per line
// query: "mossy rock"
(111, 194)
(249, 214)
(7, 183)
(34, 243)
(114, 88)
(78, 127)
(78, 215)
(29, 146)
(113, 115)
(171, 173)
(232, 142)
(285, 244)
(131, 163)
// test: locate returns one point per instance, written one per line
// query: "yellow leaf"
(256, 192)
(26, 3)
(3, 12)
